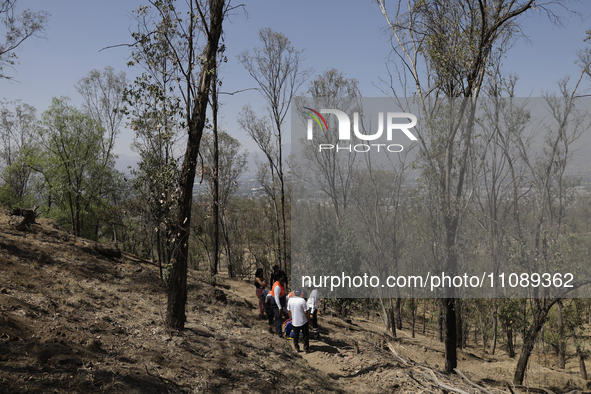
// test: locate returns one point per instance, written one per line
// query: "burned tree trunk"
(21, 219)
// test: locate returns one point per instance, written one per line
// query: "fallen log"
(108, 250)
(484, 390)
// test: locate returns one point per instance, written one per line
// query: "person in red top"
(278, 303)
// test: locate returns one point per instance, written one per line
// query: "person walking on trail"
(313, 311)
(260, 283)
(278, 303)
(266, 296)
(300, 320)
(277, 273)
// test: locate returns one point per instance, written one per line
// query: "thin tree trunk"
(510, 347)
(160, 257)
(539, 318)
(277, 221)
(226, 235)
(385, 315)
(580, 354)
(561, 348)
(459, 324)
(398, 313)
(451, 340)
(440, 320)
(495, 327)
(424, 317)
(414, 314)
(216, 184)
(282, 196)
(482, 334)
(283, 220)
(392, 319)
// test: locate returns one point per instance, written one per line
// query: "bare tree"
(550, 189)
(328, 171)
(260, 130)
(500, 174)
(276, 68)
(446, 48)
(223, 163)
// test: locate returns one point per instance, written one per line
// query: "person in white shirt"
(300, 319)
(313, 310)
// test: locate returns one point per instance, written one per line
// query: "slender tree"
(548, 180)
(276, 68)
(446, 48)
(328, 171)
(154, 108)
(103, 92)
(170, 34)
(223, 162)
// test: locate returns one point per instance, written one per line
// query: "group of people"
(278, 305)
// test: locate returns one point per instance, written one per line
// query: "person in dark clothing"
(266, 297)
(279, 303)
(313, 310)
(277, 273)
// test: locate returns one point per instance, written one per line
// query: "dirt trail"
(357, 356)
(354, 355)
(334, 354)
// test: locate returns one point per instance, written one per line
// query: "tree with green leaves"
(72, 162)
(102, 93)
(18, 128)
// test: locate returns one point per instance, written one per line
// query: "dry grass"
(72, 321)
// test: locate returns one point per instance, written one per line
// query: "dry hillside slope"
(75, 321)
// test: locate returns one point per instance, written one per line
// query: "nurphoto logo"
(344, 130)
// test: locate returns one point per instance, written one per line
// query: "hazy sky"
(346, 35)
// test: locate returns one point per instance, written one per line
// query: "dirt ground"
(75, 321)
